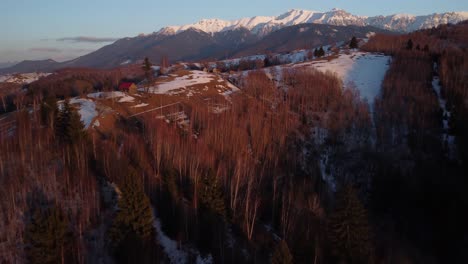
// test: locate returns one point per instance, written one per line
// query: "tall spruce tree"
(282, 255)
(75, 128)
(321, 52)
(349, 229)
(316, 53)
(47, 236)
(409, 45)
(211, 194)
(147, 68)
(353, 44)
(68, 126)
(134, 219)
(62, 121)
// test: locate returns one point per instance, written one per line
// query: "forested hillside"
(295, 167)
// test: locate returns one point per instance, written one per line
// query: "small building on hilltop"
(128, 87)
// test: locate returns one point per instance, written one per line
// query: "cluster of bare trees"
(255, 149)
(32, 166)
(408, 105)
(77, 81)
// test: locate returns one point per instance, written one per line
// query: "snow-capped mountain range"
(262, 25)
(219, 39)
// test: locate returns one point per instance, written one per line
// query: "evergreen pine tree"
(321, 52)
(172, 186)
(148, 72)
(409, 45)
(147, 68)
(282, 255)
(211, 194)
(134, 219)
(349, 229)
(147, 65)
(75, 128)
(353, 44)
(61, 122)
(46, 236)
(316, 54)
(68, 126)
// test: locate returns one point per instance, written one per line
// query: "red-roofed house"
(128, 87)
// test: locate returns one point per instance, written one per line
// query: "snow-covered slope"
(23, 78)
(363, 70)
(86, 109)
(192, 83)
(263, 24)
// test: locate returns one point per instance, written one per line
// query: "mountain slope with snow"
(365, 71)
(263, 25)
(24, 78)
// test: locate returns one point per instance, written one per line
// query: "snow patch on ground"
(170, 246)
(180, 84)
(126, 99)
(218, 109)
(236, 62)
(365, 70)
(194, 78)
(325, 171)
(106, 95)
(140, 105)
(176, 254)
(447, 139)
(206, 260)
(293, 57)
(126, 62)
(86, 109)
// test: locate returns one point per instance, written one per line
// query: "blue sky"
(33, 29)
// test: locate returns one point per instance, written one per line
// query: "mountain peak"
(263, 25)
(296, 10)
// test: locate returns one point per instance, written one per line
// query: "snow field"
(365, 70)
(86, 109)
(194, 78)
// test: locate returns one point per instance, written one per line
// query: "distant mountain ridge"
(32, 66)
(7, 64)
(220, 39)
(263, 24)
(196, 45)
